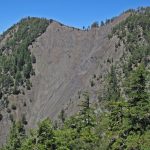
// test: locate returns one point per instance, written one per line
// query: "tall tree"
(113, 88)
(17, 134)
(138, 97)
(130, 128)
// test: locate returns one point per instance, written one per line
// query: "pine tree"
(113, 88)
(139, 102)
(130, 118)
(17, 134)
(86, 111)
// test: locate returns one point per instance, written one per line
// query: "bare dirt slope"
(66, 60)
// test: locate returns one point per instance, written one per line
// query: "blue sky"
(76, 13)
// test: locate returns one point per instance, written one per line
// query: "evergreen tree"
(113, 91)
(129, 131)
(86, 111)
(139, 102)
(17, 134)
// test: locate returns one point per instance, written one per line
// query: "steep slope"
(66, 60)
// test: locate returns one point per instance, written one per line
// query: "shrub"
(13, 106)
(92, 83)
(8, 110)
(11, 117)
(1, 117)
(24, 121)
(33, 59)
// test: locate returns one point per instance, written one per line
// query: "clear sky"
(77, 13)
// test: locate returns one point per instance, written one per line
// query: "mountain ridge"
(66, 59)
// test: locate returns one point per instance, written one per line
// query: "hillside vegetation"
(15, 58)
(124, 124)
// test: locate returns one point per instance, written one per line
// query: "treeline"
(125, 124)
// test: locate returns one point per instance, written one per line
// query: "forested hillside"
(123, 124)
(15, 58)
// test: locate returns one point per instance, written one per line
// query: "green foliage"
(130, 120)
(139, 102)
(134, 32)
(17, 134)
(41, 139)
(113, 91)
(15, 57)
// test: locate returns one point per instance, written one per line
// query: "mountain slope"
(66, 60)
